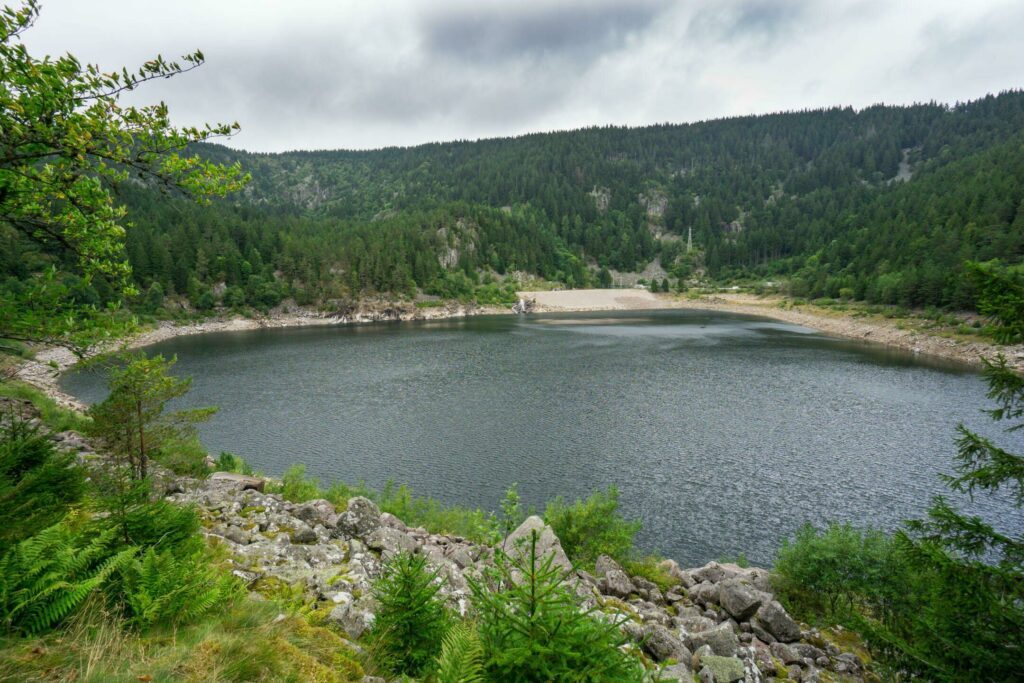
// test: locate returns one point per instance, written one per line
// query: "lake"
(723, 433)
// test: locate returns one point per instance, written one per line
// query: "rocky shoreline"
(720, 621)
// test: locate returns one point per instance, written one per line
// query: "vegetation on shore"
(942, 598)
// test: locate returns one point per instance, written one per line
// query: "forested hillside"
(883, 204)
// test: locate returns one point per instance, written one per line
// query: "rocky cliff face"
(720, 621)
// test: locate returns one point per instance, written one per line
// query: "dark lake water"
(723, 433)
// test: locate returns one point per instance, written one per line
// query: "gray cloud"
(321, 74)
(758, 21)
(500, 32)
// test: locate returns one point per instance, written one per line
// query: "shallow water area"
(723, 432)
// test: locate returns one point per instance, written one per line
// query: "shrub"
(229, 462)
(592, 527)
(834, 571)
(648, 568)
(37, 483)
(435, 516)
(412, 619)
(185, 457)
(296, 487)
(532, 626)
(139, 520)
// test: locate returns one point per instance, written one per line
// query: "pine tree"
(971, 621)
(132, 420)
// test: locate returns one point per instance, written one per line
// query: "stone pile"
(719, 622)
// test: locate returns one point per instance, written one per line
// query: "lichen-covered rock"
(318, 511)
(773, 617)
(784, 653)
(390, 542)
(354, 618)
(360, 518)
(721, 639)
(238, 482)
(304, 534)
(713, 572)
(738, 598)
(516, 544)
(721, 669)
(679, 672)
(694, 624)
(705, 592)
(662, 645)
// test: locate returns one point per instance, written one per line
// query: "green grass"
(429, 513)
(55, 417)
(244, 641)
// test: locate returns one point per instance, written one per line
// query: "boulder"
(616, 583)
(390, 541)
(238, 482)
(303, 534)
(784, 653)
(759, 579)
(388, 519)
(761, 633)
(807, 651)
(715, 572)
(318, 511)
(720, 639)
(772, 616)
(704, 592)
(694, 624)
(354, 618)
(360, 518)
(850, 662)
(236, 535)
(679, 672)
(721, 669)
(461, 555)
(604, 564)
(660, 644)
(517, 544)
(738, 598)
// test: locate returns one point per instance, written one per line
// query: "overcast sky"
(319, 74)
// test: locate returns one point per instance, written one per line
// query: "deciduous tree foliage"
(66, 140)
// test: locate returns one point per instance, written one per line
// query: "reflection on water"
(723, 432)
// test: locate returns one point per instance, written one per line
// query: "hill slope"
(883, 203)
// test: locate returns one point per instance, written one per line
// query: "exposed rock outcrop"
(719, 621)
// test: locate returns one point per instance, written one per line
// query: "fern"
(168, 587)
(45, 578)
(462, 657)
